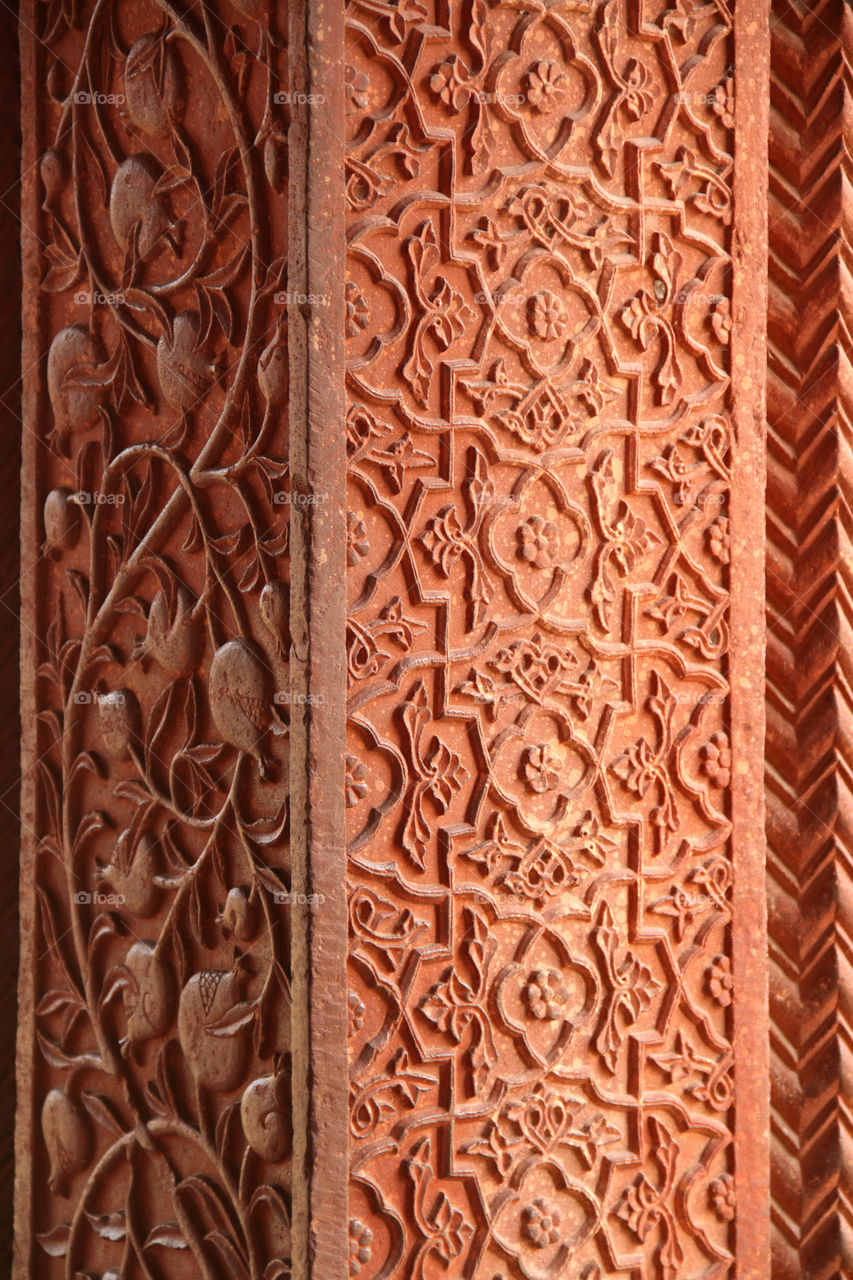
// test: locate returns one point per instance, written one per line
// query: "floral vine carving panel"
(542, 984)
(154, 1057)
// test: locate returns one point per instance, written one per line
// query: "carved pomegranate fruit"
(68, 1137)
(265, 1113)
(185, 371)
(61, 520)
(152, 86)
(240, 696)
(118, 712)
(53, 175)
(148, 994)
(136, 210)
(211, 1019)
(72, 363)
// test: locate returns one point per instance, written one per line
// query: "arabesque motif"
(538, 290)
(160, 953)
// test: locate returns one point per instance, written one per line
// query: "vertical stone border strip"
(10, 748)
(30, 407)
(808, 640)
(318, 463)
(749, 364)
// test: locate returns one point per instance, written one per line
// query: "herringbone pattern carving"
(810, 612)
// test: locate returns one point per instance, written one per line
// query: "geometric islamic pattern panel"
(538, 321)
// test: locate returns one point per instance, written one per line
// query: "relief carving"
(160, 953)
(539, 452)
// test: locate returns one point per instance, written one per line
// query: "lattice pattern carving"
(538, 319)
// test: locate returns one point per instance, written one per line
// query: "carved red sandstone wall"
(550, 508)
(541, 225)
(154, 1033)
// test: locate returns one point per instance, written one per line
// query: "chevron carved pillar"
(809, 693)
(393, 883)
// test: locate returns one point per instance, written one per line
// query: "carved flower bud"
(211, 1019)
(72, 361)
(172, 641)
(131, 873)
(67, 1134)
(152, 86)
(149, 994)
(184, 370)
(135, 207)
(272, 372)
(61, 520)
(274, 610)
(118, 712)
(53, 175)
(275, 161)
(265, 1113)
(240, 915)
